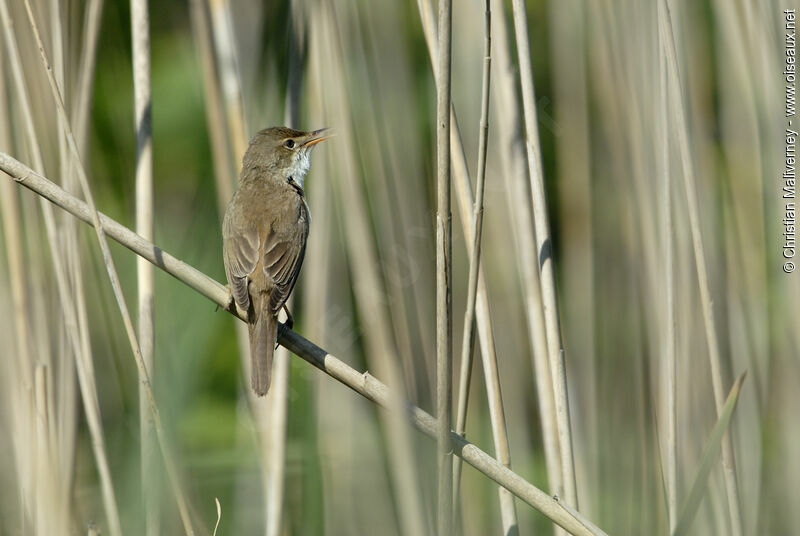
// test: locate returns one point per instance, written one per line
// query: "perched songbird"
(264, 236)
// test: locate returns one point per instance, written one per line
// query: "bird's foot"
(289, 318)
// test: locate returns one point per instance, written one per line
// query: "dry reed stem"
(728, 459)
(140, 36)
(571, 126)
(215, 117)
(83, 97)
(225, 47)
(515, 172)
(67, 421)
(224, 117)
(363, 383)
(546, 261)
(113, 276)
(482, 313)
(19, 393)
(363, 259)
(376, 124)
(277, 400)
(49, 513)
(468, 340)
(83, 362)
(444, 276)
(662, 158)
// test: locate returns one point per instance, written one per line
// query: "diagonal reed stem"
(363, 383)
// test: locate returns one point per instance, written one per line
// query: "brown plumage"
(264, 236)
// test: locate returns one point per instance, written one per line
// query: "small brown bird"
(264, 236)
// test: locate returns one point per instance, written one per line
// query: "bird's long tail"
(263, 335)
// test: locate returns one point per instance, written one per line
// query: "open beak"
(317, 136)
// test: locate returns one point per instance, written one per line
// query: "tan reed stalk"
(225, 48)
(482, 315)
(46, 517)
(515, 172)
(221, 32)
(278, 396)
(226, 163)
(272, 427)
(728, 459)
(325, 320)
(228, 140)
(67, 401)
(82, 360)
(468, 340)
(546, 262)
(444, 276)
(83, 97)
(18, 276)
(363, 383)
(215, 116)
(670, 386)
(18, 389)
(377, 124)
(113, 276)
(145, 273)
(369, 287)
(571, 126)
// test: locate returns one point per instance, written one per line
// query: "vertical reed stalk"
(482, 314)
(468, 340)
(83, 98)
(369, 289)
(571, 127)
(83, 361)
(113, 275)
(515, 171)
(278, 396)
(444, 274)
(662, 158)
(728, 460)
(140, 35)
(215, 116)
(64, 386)
(45, 503)
(546, 264)
(225, 47)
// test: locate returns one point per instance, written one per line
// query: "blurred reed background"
(623, 127)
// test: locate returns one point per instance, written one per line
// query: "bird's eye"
(289, 144)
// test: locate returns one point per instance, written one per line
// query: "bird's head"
(283, 151)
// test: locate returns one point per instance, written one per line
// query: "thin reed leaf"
(707, 462)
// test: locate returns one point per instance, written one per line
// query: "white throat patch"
(302, 161)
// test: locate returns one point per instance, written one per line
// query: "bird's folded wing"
(241, 257)
(282, 261)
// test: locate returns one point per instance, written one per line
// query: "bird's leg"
(289, 318)
(289, 324)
